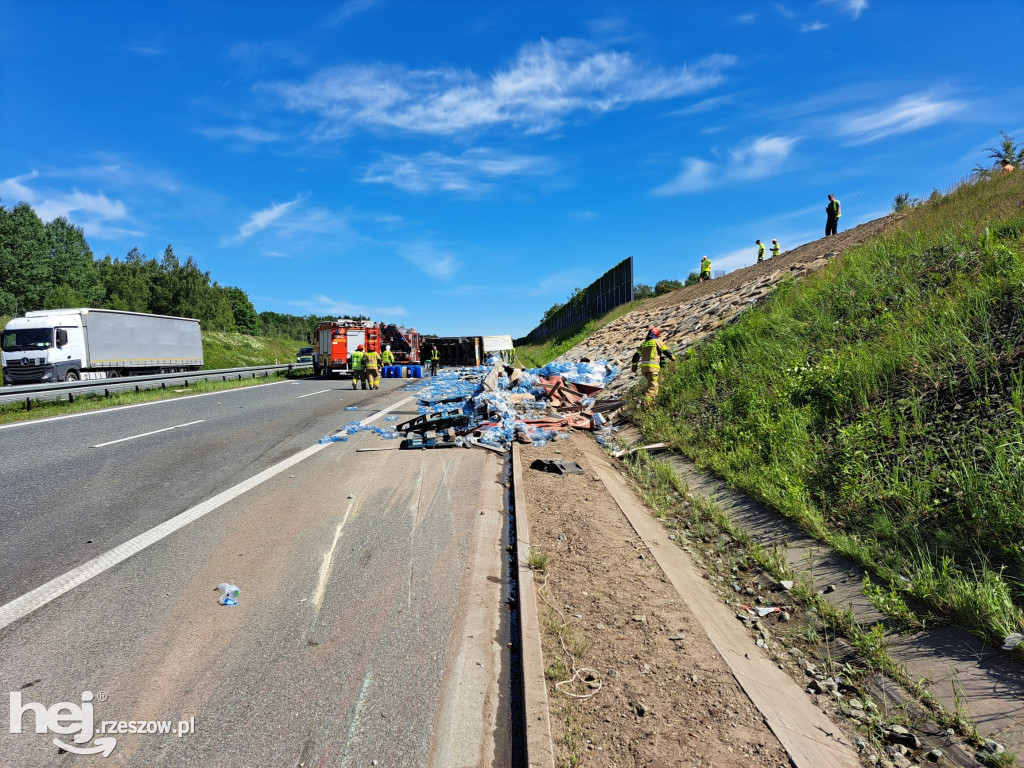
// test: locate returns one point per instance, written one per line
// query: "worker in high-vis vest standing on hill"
(371, 361)
(760, 251)
(705, 268)
(776, 248)
(832, 212)
(648, 357)
(356, 361)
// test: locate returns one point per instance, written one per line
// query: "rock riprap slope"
(689, 314)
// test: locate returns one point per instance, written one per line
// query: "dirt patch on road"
(659, 694)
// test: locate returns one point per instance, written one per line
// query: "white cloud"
(324, 305)
(263, 218)
(814, 26)
(910, 113)
(762, 158)
(561, 282)
(854, 7)
(148, 50)
(746, 18)
(429, 259)
(91, 211)
(468, 173)
(705, 105)
(759, 159)
(784, 11)
(349, 9)
(695, 176)
(247, 133)
(547, 82)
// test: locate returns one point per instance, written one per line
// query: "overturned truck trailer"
(469, 350)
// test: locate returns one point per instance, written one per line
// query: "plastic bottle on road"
(228, 593)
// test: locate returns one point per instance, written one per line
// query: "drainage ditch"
(511, 628)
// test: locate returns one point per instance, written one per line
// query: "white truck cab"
(71, 344)
(43, 348)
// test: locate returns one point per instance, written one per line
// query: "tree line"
(51, 266)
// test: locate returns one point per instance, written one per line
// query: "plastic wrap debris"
(229, 593)
(1012, 641)
(497, 404)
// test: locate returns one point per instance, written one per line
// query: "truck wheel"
(72, 376)
(113, 373)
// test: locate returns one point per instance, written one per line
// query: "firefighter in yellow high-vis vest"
(356, 361)
(648, 357)
(371, 360)
(387, 357)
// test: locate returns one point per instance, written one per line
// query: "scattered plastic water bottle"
(351, 407)
(228, 593)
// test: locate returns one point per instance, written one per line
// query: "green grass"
(537, 355)
(880, 404)
(236, 350)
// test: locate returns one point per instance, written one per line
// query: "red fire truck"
(335, 341)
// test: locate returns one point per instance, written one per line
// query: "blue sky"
(461, 166)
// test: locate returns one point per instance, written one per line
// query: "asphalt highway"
(369, 621)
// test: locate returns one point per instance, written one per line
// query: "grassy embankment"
(220, 350)
(880, 404)
(537, 355)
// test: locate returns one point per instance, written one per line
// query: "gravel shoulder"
(658, 692)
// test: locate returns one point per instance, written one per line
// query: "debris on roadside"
(229, 593)
(491, 406)
(557, 466)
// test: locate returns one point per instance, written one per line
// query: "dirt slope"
(689, 314)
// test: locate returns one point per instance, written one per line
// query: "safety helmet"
(654, 332)
(359, 348)
(387, 347)
(774, 240)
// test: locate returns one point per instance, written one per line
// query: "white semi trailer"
(73, 344)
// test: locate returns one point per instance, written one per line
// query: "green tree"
(642, 291)
(1007, 151)
(24, 256)
(72, 263)
(244, 313)
(63, 296)
(692, 279)
(550, 312)
(666, 286)
(8, 304)
(128, 283)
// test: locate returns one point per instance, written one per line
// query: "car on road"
(305, 355)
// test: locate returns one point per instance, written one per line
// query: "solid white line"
(147, 434)
(51, 590)
(387, 410)
(313, 393)
(31, 422)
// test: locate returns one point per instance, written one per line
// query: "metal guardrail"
(27, 393)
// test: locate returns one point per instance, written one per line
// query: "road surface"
(369, 626)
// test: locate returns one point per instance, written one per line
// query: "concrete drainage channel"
(511, 625)
(531, 724)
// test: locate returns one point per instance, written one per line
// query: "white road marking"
(31, 422)
(51, 590)
(313, 393)
(327, 565)
(147, 434)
